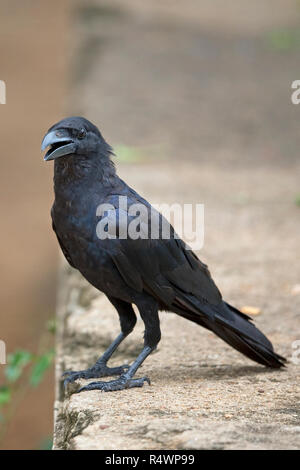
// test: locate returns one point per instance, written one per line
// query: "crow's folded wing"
(164, 267)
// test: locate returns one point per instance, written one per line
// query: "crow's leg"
(100, 369)
(149, 312)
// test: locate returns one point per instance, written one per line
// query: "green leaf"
(15, 364)
(128, 154)
(284, 39)
(297, 200)
(5, 395)
(43, 363)
(51, 326)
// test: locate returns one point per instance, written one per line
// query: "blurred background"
(202, 83)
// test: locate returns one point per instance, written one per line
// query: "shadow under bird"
(153, 274)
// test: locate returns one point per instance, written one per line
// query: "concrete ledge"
(203, 395)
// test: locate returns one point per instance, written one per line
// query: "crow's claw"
(119, 384)
(97, 371)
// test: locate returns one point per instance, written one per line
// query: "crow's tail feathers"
(236, 329)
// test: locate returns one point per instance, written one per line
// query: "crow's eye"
(81, 134)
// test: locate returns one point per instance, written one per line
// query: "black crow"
(152, 273)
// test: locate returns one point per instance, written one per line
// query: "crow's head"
(73, 136)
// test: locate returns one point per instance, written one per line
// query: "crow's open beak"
(59, 143)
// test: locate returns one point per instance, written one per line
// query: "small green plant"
(24, 370)
(297, 200)
(127, 154)
(284, 40)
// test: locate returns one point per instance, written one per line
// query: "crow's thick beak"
(59, 145)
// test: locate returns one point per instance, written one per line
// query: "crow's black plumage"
(153, 274)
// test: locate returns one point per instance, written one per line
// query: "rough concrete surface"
(208, 104)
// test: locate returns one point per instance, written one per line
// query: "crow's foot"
(121, 383)
(97, 371)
